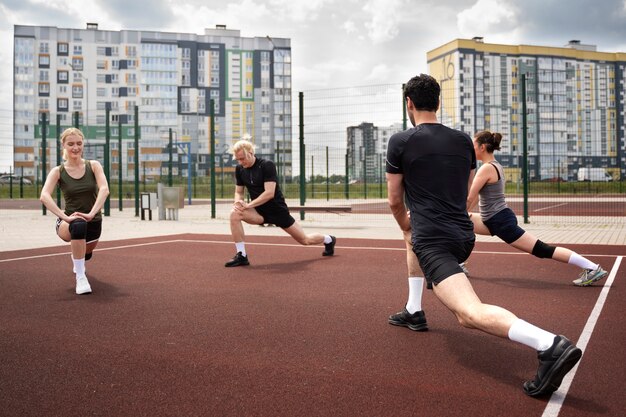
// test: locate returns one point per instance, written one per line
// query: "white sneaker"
(82, 285)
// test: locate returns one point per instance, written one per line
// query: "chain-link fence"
(570, 144)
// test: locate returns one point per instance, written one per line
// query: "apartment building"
(575, 100)
(171, 78)
(367, 150)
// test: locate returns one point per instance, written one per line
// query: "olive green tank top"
(79, 194)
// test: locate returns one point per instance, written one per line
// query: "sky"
(335, 43)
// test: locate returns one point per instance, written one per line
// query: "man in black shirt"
(267, 204)
(433, 167)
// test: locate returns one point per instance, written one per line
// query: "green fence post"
(58, 147)
(404, 117)
(302, 153)
(119, 164)
(525, 148)
(347, 179)
(44, 151)
(107, 162)
(212, 115)
(327, 177)
(169, 161)
(136, 161)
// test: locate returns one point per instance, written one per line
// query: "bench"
(321, 209)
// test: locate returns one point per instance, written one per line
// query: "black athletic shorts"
(276, 215)
(94, 229)
(441, 260)
(504, 225)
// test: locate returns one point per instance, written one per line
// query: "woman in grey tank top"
(497, 219)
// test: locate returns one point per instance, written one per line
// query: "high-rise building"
(367, 149)
(170, 77)
(575, 100)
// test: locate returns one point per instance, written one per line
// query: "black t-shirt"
(435, 162)
(253, 179)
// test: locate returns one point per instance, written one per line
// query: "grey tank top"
(491, 199)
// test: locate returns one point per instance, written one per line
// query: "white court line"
(550, 207)
(223, 242)
(556, 400)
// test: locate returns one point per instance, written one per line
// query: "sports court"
(169, 331)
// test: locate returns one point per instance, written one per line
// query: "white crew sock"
(416, 287)
(241, 247)
(579, 261)
(530, 335)
(79, 267)
(327, 239)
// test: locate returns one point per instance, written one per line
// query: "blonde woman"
(85, 190)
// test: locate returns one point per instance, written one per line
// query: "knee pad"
(541, 250)
(78, 230)
(88, 256)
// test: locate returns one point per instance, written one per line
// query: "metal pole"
(365, 172)
(212, 144)
(404, 118)
(119, 165)
(312, 179)
(107, 162)
(58, 155)
(44, 151)
(302, 153)
(347, 180)
(327, 177)
(136, 161)
(169, 161)
(524, 148)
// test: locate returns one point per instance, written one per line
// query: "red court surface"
(168, 331)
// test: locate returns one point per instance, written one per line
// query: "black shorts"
(504, 225)
(276, 215)
(441, 260)
(94, 229)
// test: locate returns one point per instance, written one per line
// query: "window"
(63, 77)
(62, 48)
(77, 91)
(62, 104)
(44, 89)
(78, 50)
(77, 64)
(44, 61)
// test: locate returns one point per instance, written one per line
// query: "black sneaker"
(238, 260)
(415, 321)
(329, 248)
(554, 364)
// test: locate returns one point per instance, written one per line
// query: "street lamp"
(283, 111)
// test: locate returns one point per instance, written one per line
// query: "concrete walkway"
(25, 229)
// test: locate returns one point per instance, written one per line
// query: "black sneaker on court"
(238, 260)
(554, 364)
(415, 321)
(329, 248)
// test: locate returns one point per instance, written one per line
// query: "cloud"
(548, 23)
(384, 19)
(492, 16)
(145, 14)
(349, 27)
